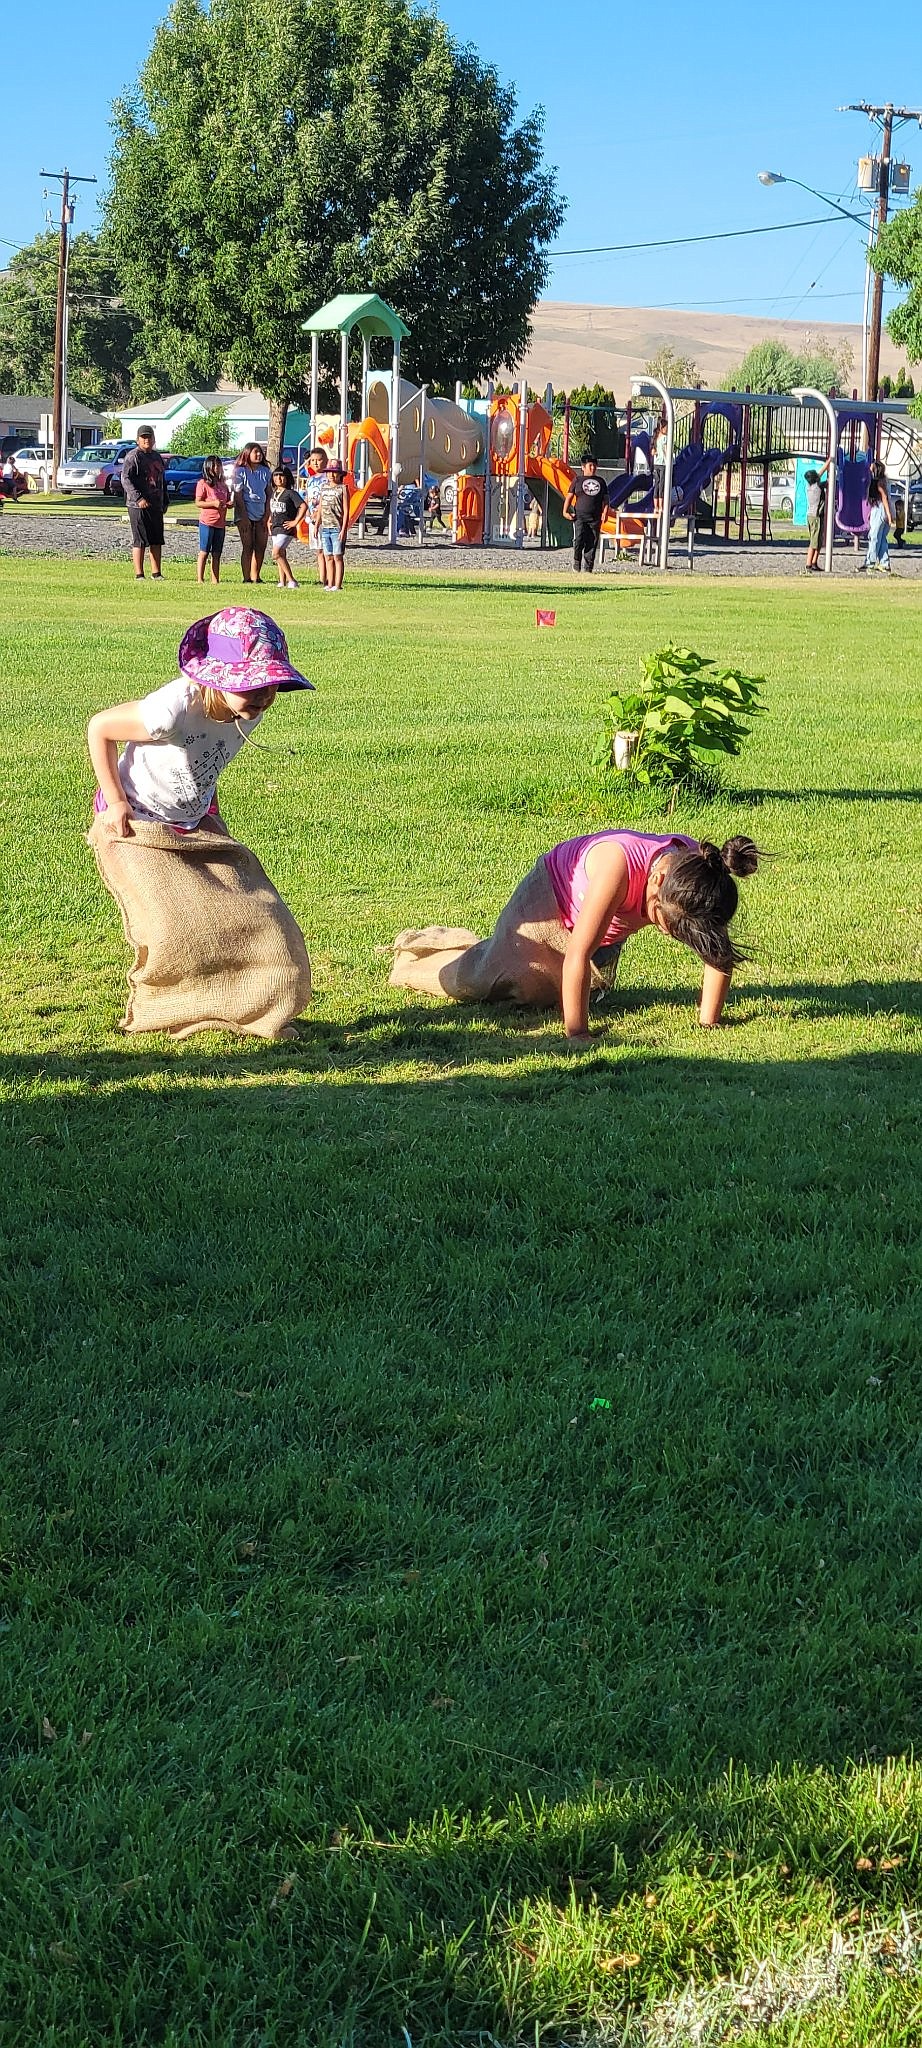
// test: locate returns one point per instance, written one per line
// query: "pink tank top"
(566, 865)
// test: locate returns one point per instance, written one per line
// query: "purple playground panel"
(853, 471)
(852, 508)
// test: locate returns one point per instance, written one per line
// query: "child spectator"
(334, 524)
(285, 508)
(212, 498)
(316, 471)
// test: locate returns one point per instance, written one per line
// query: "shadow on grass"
(827, 796)
(497, 1457)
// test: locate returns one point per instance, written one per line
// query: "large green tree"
(898, 255)
(269, 158)
(103, 337)
(773, 366)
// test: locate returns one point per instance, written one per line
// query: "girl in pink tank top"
(566, 865)
(566, 922)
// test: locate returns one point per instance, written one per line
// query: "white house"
(247, 416)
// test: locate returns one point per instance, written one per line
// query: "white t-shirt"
(172, 777)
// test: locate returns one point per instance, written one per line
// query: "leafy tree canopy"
(202, 434)
(772, 366)
(676, 371)
(898, 255)
(104, 338)
(270, 158)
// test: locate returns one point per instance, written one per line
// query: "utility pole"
(59, 396)
(887, 116)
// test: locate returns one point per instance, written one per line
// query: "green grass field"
(360, 1675)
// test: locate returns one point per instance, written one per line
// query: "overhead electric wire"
(781, 227)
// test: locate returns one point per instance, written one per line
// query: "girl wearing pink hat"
(176, 740)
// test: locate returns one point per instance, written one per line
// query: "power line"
(782, 227)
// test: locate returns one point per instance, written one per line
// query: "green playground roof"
(365, 311)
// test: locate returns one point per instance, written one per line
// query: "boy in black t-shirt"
(586, 503)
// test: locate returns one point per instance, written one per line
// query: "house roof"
(164, 408)
(28, 411)
(363, 310)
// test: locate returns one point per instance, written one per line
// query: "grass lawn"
(360, 1674)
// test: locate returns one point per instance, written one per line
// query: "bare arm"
(714, 991)
(344, 529)
(606, 892)
(106, 732)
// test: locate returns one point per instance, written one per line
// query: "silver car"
(95, 469)
(780, 493)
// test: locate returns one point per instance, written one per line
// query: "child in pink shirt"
(212, 498)
(562, 930)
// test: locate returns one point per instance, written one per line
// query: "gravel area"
(106, 537)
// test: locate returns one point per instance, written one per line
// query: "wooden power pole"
(59, 396)
(886, 116)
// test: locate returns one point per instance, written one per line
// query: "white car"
(780, 493)
(34, 462)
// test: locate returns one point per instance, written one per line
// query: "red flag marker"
(545, 618)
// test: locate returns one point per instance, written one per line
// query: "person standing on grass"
(334, 524)
(316, 471)
(878, 555)
(816, 507)
(563, 929)
(212, 498)
(285, 508)
(144, 485)
(252, 479)
(586, 503)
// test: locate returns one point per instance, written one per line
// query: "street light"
(779, 178)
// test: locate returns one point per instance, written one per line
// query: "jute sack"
(215, 947)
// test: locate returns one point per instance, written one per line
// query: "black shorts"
(585, 542)
(146, 525)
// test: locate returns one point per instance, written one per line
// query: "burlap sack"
(215, 947)
(521, 961)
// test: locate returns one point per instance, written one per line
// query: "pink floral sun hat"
(239, 649)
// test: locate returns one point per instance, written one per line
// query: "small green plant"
(686, 718)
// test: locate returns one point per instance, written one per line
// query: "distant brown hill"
(609, 344)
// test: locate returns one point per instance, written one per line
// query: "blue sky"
(654, 135)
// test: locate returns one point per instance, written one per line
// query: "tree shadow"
(755, 797)
(516, 1448)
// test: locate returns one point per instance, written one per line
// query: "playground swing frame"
(838, 413)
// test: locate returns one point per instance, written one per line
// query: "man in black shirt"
(586, 503)
(145, 490)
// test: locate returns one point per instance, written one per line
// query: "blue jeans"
(878, 551)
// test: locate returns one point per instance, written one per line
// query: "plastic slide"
(852, 508)
(554, 473)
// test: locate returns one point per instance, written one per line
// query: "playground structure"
(762, 430)
(507, 450)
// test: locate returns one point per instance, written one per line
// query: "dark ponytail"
(698, 896)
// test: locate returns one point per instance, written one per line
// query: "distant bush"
(202, 434)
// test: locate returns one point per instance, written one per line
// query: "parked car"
(182, 473)
(36, 463)
(911, 495)
(95, 469)
(780, 493)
